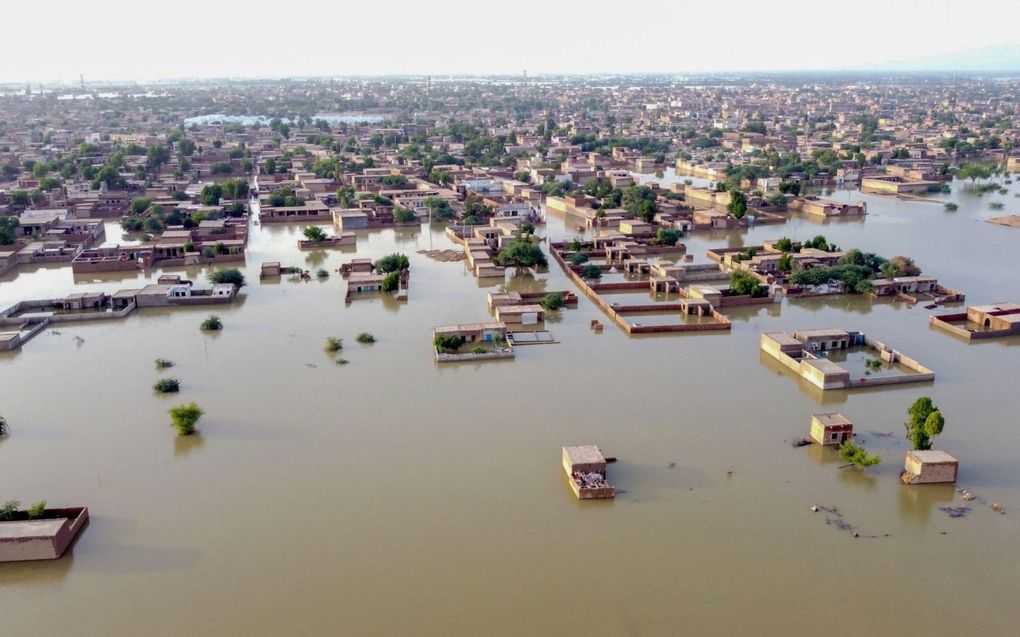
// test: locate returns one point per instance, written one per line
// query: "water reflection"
(916, 502)
(186, 445)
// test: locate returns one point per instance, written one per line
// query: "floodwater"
(394, 496)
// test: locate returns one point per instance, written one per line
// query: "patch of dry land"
(1008, 220)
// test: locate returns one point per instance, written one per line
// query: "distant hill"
(994, 59)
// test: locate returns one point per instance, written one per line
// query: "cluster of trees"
(439, 208)
(667, 236)
(981, 170)
(395, 262)
(228, 275)
(448, 344)
(521, 253)
(744, 283)
(404, 215)
(640, 201)
(285, 197)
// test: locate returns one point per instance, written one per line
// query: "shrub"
(228, 275)
(184, 418)
(593, 272)
(365, 338)
(3, 426)
(321, 274)
(342, 361)
(668, 236)
(334, 344)
(404, 215)
(951, 207)
(314, 233)
(858, 455)
(448, 344)
(167, 385)
(521, 253)
(391, 282)
(392, 263)
(579, 258)
(744, 283)
(212, 324)
(162, 363)
(37, 510)
(478, 349)
(8, 510)
(553, 301)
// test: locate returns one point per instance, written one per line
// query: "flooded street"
(394, 496)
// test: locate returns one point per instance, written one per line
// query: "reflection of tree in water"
(316, 257)
(186, 445)
(918, 501)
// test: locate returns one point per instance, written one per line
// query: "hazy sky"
(146, 39)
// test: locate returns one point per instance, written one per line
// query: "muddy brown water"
(395, 496)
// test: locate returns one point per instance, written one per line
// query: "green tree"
(521, 253)
(668, 236)
(738, 204)
(404, 215)
(314, 233)
(391, 282)
(8, 229)
(857, 455)
(235, 188)
(591, 272)
(439, 207)
(553, 301)
(185, 417)
(156, 156)
(743, 283)
(926, 422)
(211, 195)
(228, 275)
(392, 263)
(346, 197)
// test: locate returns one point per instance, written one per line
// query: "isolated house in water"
(929, 467)
(831, 429)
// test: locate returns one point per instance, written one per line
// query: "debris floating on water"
(956, 512)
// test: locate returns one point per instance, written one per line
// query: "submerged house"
(43, 538)
(982, 321)
(585, 467)
(831, 429)
(929, 467)
(806, 353)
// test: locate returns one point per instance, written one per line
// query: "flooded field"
(396, 496)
